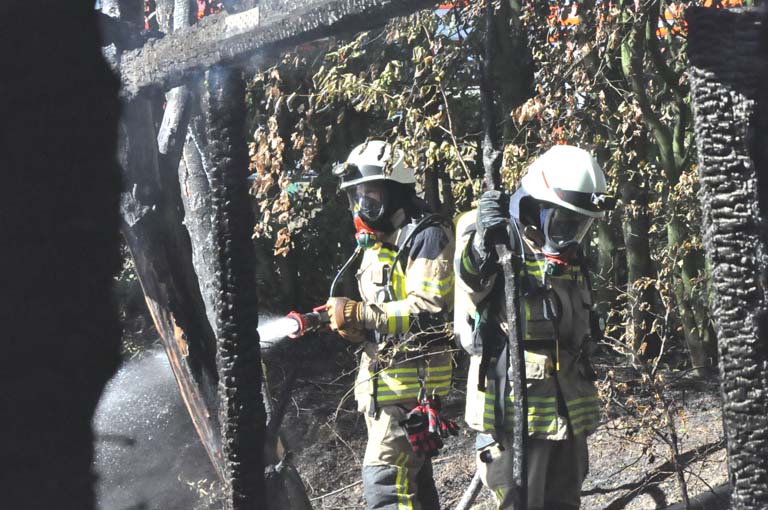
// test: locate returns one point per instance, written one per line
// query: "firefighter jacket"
(407, 303)
(555, 325)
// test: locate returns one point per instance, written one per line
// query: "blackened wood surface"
(238, 357)
(154, 233)
(169, 61)
(152, 212)
(59, 227)
(728, 62)
(196, 197)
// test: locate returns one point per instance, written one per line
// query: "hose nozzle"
(311, 321)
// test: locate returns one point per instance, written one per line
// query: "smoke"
(148, 455)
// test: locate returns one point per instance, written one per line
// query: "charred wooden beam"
(152, 214)
(169, 61)
(238, 357)
(154, 233)
(727, 75)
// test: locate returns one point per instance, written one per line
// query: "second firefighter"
(406, 283)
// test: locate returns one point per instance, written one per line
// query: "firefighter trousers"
(556, 470)
(394, 476)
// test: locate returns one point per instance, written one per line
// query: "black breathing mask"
(375, 203)
(563, 230)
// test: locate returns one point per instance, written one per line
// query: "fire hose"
(318, 318)
(315, 320)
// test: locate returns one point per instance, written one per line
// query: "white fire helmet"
(367, 161)
(377, 183)
(570, 186)
(569, 177)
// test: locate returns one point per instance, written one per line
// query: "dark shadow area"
(733, 55)
(59, 226)
(716, 499)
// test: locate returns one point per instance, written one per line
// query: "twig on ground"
(337, 491)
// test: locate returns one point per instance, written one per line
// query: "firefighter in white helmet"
(406, 286)
(546, 219)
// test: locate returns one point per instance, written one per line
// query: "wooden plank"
(170, 61)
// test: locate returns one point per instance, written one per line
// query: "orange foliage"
(564, 16)
(719, 4)
(206, 7)
(452, 5)
(674, 23)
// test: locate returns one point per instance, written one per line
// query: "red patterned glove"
(417, 428)
(437, 424)
(425, 428)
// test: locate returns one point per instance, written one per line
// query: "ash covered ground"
(148, 456)
(629, 465)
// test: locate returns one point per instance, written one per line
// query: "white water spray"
(148, 453)
(274, 330)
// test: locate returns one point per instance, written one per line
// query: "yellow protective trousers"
(556, 470)
(394, 476)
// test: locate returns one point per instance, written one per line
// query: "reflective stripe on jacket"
(410, 317)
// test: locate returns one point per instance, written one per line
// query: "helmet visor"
(563, 227)
(367, 200)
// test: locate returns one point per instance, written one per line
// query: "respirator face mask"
(368, 201)
(563, 229)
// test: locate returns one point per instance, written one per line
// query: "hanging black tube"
(344, 268)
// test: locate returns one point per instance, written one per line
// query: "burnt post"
(152, 227)
(731, 125)
(238, 355)
(509, 271)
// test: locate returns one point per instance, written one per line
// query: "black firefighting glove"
(492, 215)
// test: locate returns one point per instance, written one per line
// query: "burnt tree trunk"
(238, 358)
(152, 226)
(727, 75)
(59, 226)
